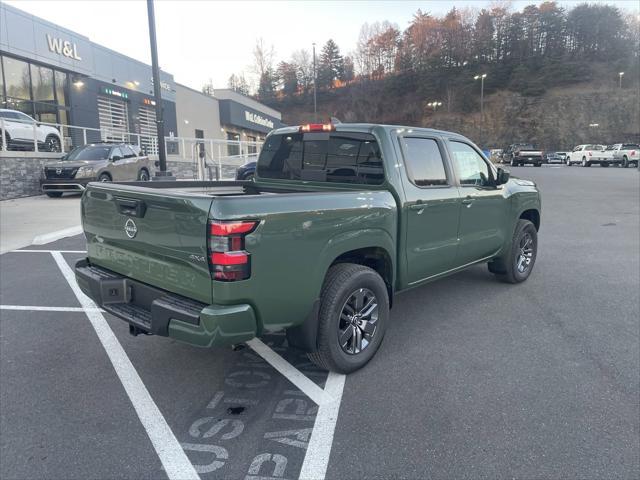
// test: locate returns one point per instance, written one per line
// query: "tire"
(104, 177)
(537, 164)
(585, 163)
(249, 177)
(53, 143)
(143, 175)
(343, 283)
(53, 194)
(625, 162)
(568, 162)
(507, 268)
(604, 164)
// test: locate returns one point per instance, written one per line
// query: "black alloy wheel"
(357, 325)
(53, 144)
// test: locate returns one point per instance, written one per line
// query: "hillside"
(557, 119)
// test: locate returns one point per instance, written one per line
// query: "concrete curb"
(57, 235)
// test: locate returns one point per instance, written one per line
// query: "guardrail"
(72, 136)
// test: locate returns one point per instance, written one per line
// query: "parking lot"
(475, 378)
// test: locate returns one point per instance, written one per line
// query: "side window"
(471, 168)
(9, 115)
(127, 152)
(424, 162)
(116, 153)
(24, 118)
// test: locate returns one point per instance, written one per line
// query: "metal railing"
(209, 151)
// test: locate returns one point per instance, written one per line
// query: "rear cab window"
(332, 157)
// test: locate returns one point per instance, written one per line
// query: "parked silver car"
(102, 162)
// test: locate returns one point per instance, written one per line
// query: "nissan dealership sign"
(258, 120)
(239, 115)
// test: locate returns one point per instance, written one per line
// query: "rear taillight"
(633, 152)
(228, 259)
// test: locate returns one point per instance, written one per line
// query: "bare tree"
(263, 58)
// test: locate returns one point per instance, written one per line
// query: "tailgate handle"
(131, 207)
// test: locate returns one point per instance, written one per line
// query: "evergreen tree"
(331, 65)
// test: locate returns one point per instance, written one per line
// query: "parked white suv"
(19, 130)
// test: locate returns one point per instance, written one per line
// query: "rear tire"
(585, 163)
(517, 263)
(604, 164)
(625, 162)
(53, 194)
(354, 310)
(143, 175)
(53, 143)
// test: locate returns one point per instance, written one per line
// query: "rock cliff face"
(557, 120)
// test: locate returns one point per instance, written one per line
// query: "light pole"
(434, 105)
(315, 81)
(481, 78)
(162, 174)
(620, 74)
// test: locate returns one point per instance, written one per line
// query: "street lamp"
(594, 125)
(315, 81)
(620, 74)
(434, 105)
(481, 78)
(161, 174)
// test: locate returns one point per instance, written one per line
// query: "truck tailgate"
(155, 236)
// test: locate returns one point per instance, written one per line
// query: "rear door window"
(336, 157)
(424, 162)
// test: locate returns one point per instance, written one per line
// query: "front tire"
(585, 163)
(516, 265)
(53, 194)
(104, 177)
(143, 175)
(353, 317)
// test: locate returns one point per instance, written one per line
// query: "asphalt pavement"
(475, 378)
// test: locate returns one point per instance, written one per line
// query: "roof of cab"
(369, 127)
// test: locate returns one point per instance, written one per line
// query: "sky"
(202, 40)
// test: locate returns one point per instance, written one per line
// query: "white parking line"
(310, 389)
(316, 459)
(174, 460)
(57, 235)
(47, 251)
(33, 308)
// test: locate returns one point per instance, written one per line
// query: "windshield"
(91, 153)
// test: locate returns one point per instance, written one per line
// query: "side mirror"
(115, 158)
(157, 163)
(502, 177)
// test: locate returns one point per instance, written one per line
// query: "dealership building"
(59, 76)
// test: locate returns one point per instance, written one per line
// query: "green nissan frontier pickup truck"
(338, 219)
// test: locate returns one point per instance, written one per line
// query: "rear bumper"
(151, 310)
(77, 185)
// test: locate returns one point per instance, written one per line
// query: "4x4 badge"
(130, 228)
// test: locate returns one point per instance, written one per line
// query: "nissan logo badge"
(58, 171)
(130, 228)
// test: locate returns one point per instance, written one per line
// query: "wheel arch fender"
(371, 247)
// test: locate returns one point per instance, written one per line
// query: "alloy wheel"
(525, 253)
(357, 324)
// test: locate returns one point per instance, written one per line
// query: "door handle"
(418, 206)
(468, 201)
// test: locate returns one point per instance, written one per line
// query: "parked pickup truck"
(523, 153)
(585, 155)
(626, 154)
(337, 220)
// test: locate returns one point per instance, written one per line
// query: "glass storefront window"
(36, 90)
(61, 88)
(42, 83)
(16, 77)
